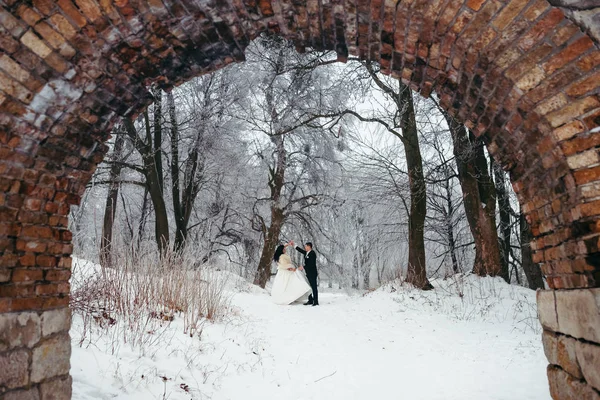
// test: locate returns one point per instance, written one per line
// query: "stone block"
(55, 321)
(14, 366)
(19, 329)
(588, 357)
(560, 350)
(57, 389)
(31, 394)
(547, 310)
(565, 387)
(51, 358)
(579, 313)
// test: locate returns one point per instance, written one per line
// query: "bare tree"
(479, 198)
(505, 219)
(401, 123)
(112, 196)
(286, 103)
(149, 148)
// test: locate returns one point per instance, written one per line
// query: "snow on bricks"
(522, 74)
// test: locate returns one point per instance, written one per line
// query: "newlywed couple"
(292, 284)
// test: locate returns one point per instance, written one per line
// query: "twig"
(320, 379)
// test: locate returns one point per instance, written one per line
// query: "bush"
(137, 299)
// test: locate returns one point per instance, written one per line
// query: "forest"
(287, 146)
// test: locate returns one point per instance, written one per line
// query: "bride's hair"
(278, 252)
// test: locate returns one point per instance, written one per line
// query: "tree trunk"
(417, 273)
(504, 205)
(184, 193)
(276, 181)
(263, 273)
(111, 204)
(180, 223)
(157, 150)
(450, 228)
(533, 272)
(142, 224)
(153, 184)
(355, 272)
(479, 199)
(161, 223)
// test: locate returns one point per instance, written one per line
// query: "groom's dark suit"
(310, 266)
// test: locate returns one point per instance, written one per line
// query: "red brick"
(52, 289)
(33, 204)
(5, 305)
(46, 261)
(32, 246)
(589, 61)
(34, 231)
(58, 275)
(541, 28)
(16, 291)
(71, 11)
(51, 207)
(54, 302)
(27, 275)
(536, 8)
(44, 6)
(9, 229)
(28, 15)
(475, 4)
(568, 54)
(65, 262)
(585, 86)
(23, 304)
(27, 260)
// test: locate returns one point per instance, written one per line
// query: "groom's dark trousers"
(310, 266)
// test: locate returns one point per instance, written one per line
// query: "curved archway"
(518, 72)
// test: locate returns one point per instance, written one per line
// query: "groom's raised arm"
(301, 250)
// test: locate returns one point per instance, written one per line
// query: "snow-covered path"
(359, 348)
(389, 344)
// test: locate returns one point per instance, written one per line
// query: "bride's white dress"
(289, 286)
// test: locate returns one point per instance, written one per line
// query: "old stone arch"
(523, 73)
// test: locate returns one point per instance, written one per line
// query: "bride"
(290, 284)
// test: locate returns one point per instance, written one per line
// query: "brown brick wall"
(519, 73)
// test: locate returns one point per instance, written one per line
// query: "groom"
(310, 266)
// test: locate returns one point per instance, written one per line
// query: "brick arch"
(518, 72)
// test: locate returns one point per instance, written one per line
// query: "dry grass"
(136, 299)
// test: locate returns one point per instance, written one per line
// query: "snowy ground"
(394, 343)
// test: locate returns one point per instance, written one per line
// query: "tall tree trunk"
(276, 181)
(161, 223)
(180, 225)
(157, 186)
(142, 223)
(263, 273)
(355, 272)
(110, 208)
(533, 272)
(479, 199)
(184, 193)
(157, 150)
(417, 273)
(153, 184)
(504, 205)
(450, 229)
